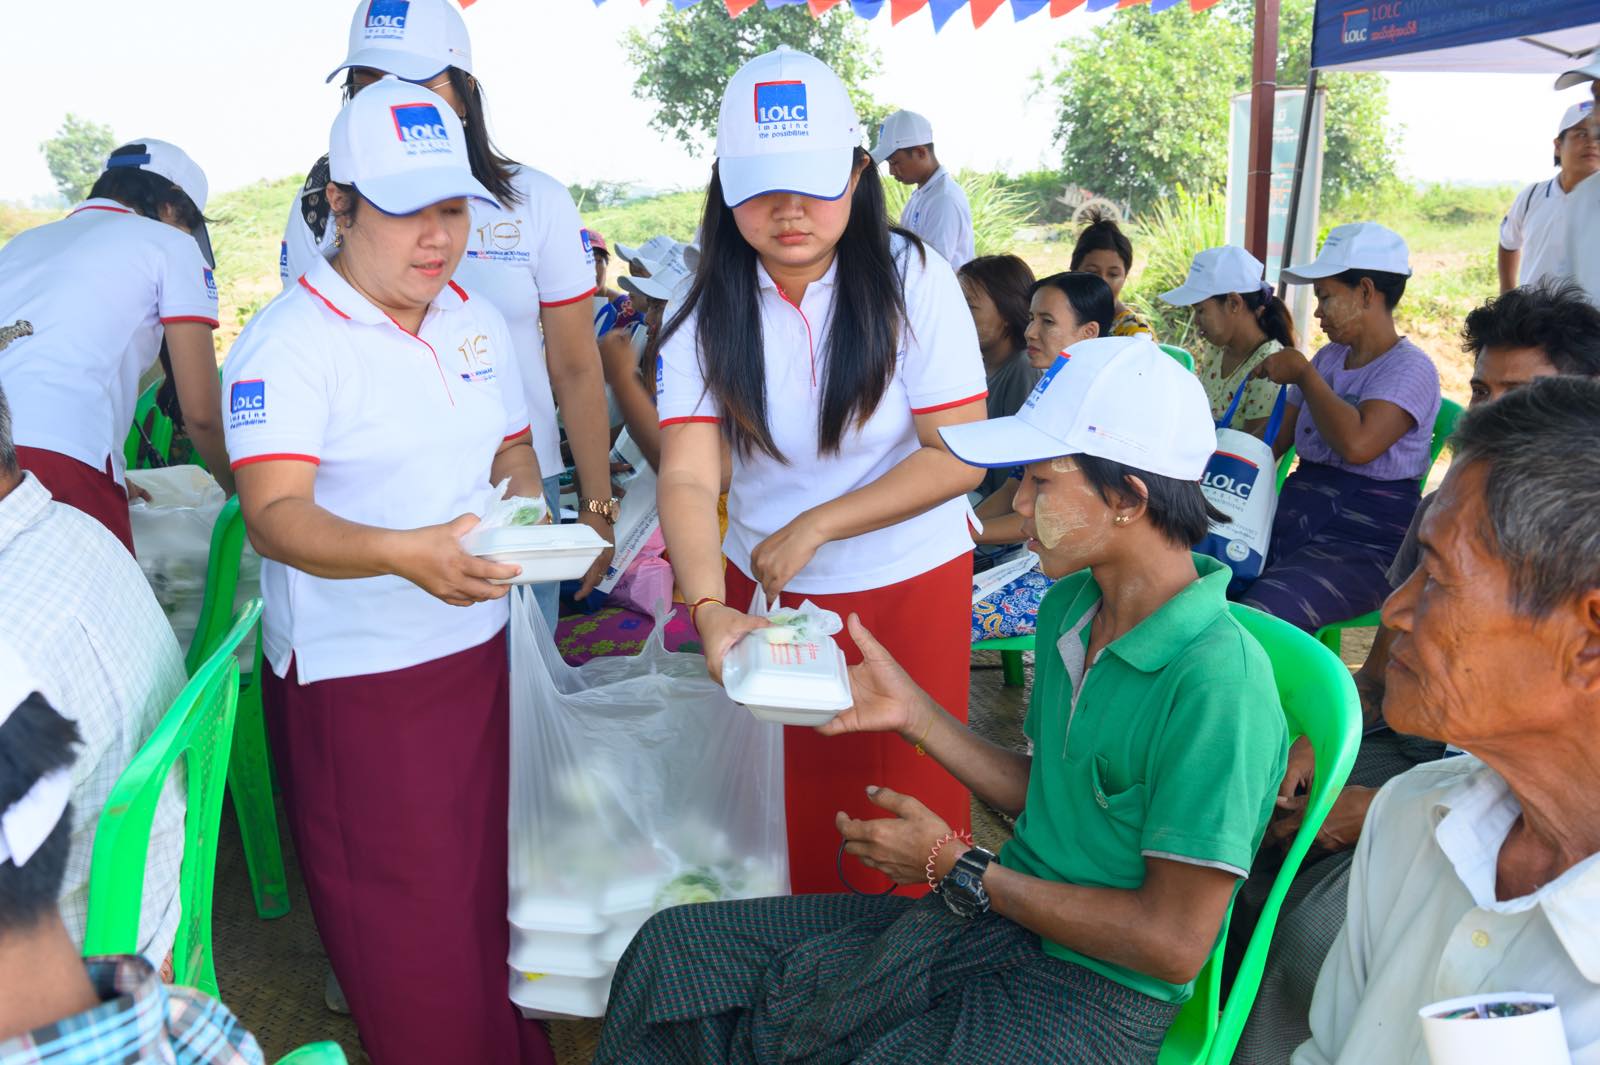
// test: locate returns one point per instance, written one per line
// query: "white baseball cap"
(903, 129)
(787, 125)
(1117, 398)
(411, 39)
(666, 279)
(172, 163)
(1355, 246)
(1576, 115)
(1580, 75)
(1217, 272)
(655, 249)
(402, 148)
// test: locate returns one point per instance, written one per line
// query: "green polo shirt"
(1171, 744)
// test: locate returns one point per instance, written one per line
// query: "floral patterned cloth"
(616, 630)
(1011, 611)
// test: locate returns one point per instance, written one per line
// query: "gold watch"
(609, 509)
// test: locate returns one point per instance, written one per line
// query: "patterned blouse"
(1127, 323)
(1259, 396)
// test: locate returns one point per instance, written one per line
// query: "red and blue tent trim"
(941, 10)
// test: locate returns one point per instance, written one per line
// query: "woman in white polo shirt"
(100, 289)
(371, 407)
(819, 353)
(526, 253)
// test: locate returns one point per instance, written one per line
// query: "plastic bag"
(636, 784)
(806, 623)
(1241, 481)
(172, 540)
(500, 511)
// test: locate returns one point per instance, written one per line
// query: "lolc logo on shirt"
(211, 282)
(661, 377)
(420, 129)
(386, 19)
(247, 403)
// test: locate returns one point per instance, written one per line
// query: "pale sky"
(239, 85)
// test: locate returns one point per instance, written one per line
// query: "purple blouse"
(1403, 375)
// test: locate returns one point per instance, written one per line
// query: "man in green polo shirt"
(1157, 747)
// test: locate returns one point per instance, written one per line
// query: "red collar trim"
(97, 207)
(309, 287)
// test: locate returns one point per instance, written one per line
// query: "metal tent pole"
(1297, 185)
(1263, 83)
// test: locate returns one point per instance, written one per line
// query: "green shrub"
(677, 214)
(1165, 240)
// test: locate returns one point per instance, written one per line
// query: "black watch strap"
(962, 887)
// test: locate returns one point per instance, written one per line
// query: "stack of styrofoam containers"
(564, 952)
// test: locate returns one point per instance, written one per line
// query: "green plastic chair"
(249, 767)
(1184, 358)
(157, 426)
(199, 729)
(1010, 647)
(1320, 702)
(315, 1054)
(1332, 635)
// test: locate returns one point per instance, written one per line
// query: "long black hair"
(492, 169)
(1272, 314)
(1088, 294)
(863, 335)
(1102, 234)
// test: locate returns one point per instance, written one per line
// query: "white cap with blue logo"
(174, 164)
(402, 148)
(903, 129)
(411, 39)
(1116, 398)
(1217, 272)
(1576, 115)
(1355, 246)
(787, 125)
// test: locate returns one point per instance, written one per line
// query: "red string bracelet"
(700, 603)
(948, 837)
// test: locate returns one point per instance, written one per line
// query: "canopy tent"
(942, 10)
(1455, 35)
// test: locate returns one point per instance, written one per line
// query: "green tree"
(685, 61)
(1144, 102)
(76, 155)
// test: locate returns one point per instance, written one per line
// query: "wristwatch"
(608, 509)
(962, 887)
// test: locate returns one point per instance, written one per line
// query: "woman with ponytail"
(1238, 314)
(815, 357)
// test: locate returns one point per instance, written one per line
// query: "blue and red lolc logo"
(211, 282)
(386, 19)
(1044, 381)
(780, 103)
(247, 403)
(1356, 23)
(1231, 474)
(420, 128)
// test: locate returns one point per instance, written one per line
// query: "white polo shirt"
(98, 286)
(403, 430)
(1583, 221)
(938, 367)
(1536, 225)
(522, 259)
(938, 213)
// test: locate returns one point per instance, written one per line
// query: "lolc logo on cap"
(781, 109)
(1044, 381)
(420, 128)
(386, 19)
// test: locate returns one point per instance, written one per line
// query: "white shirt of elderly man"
(1480, 874)
(1583, 207)
(937, 211)
(1533, 234)
(75, 606)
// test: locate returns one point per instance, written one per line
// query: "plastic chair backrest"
(1320, 702)
(198, 728)
(1183, 357)
(222, 584)
(160, 431)
(1444, 424)
(315, 1054)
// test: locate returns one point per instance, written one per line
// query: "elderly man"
(1479, 874)
(76, 608)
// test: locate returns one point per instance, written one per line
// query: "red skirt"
(926, 624)
(80, 485)
(396, 787)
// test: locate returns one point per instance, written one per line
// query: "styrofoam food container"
(803, 683)
(544, 950)
(610, 947)
(544, 995)
(542, 913)
(631, 901)
(545, 552)
(1537, 1038)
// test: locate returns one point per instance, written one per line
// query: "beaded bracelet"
(949, 837)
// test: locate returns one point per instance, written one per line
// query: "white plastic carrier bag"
(1241, 481)
(636, 784)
